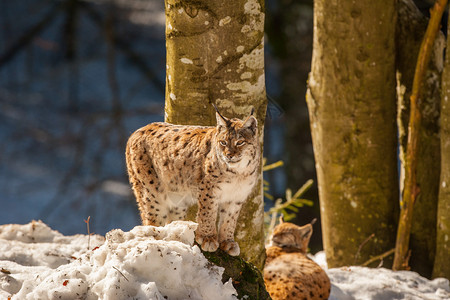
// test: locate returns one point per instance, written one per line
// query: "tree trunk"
(441, 262)
(411, 27)
(352, 108)
(215, 53)
(247, 279)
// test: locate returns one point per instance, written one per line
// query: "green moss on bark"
(246, 278)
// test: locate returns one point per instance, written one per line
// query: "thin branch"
(291, 200)
(28, 36)
(70, 42)
(303, 189)
(117, 109)
(362, 245)
(120, 273)
(273, 165)
(411, 189)
(88, 231)
(124, 47)
(273, 222)
(378, 257)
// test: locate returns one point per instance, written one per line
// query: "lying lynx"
(171, 167)
(289, 273)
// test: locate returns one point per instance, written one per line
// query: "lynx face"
(292, 236)
(236, 140)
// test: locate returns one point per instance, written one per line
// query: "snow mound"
(36, 244)
(367, 283)
(145, 263)
(159, 263)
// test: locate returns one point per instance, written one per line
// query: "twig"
(411, 189)
(28, 36)
(124, 47)
(303, 189)
(378, 257)
(89, 233)
(362, 245)
(117, 109)
(273, 165)
(285, 205)
(120, 273)
(273, 220)
(71, 40)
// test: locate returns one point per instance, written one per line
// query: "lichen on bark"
(215, 53)
(351, 102)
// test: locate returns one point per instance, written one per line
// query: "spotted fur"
(289, 274)
(171, 167)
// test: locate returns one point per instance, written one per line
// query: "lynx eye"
(240, 143)
(223, 142)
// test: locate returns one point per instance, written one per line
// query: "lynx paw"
(230, 247)
(208, 243)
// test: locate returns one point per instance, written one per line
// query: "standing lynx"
(171, 167)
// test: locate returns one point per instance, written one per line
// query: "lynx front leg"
(206, 234)
(229, 213)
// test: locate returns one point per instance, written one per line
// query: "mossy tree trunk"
(411, 27)
(441, 262)
(215, 53)
(352, 108)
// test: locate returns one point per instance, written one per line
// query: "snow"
(145, 263)
(158, 263)
(353, 283)
(364, 283)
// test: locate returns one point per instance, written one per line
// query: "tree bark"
(352, 108)
(441, 262)
(247, 279)
(215, 53)
(411, 27)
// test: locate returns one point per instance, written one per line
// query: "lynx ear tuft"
(221, 120)
(306, 232)
(251, 123)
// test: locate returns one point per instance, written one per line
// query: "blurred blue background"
(78, 77)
